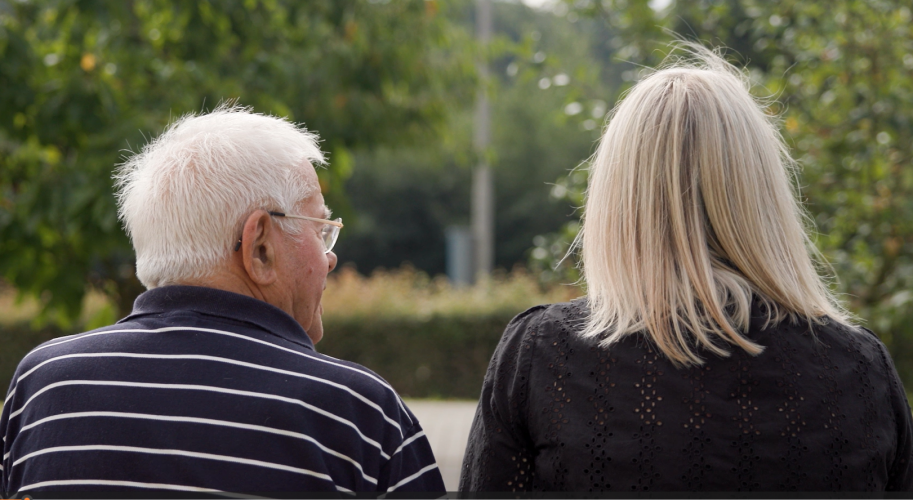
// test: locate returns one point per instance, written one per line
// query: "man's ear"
(258, 249)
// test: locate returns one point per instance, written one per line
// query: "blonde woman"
(709, 354)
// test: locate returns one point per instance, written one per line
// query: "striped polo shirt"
(203, 390)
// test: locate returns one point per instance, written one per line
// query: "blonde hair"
(690, 215)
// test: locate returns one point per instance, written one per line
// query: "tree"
(85, 80)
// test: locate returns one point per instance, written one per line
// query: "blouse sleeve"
(900, 476)
(499, 455)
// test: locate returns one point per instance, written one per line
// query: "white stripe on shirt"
(243, 337)
(203, 388)
(408, 442)
(224, 423)
(202, 357)
(106, 482)
(413, 476)
(181, 453)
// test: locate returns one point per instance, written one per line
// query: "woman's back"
(822, 412)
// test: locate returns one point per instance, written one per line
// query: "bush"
(408, 293)
(435, 357)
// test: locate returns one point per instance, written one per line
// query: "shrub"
(406, 292)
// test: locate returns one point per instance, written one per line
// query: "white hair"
(184, 198)
(690, 216)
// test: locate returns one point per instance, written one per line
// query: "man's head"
(211, 181)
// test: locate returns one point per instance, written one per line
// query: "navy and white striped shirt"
(202, 390)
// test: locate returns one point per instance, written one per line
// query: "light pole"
(483, 203)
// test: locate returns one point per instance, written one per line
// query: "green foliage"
(403, 199)
(550, 102)
(849, 116)
(842, 70)
(83, 80)
(408, 293)
(434, 357)
(550, 81)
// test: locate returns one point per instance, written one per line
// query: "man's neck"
(229, 281)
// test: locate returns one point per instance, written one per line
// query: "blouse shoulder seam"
(529, 367)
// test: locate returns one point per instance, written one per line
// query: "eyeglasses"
(329, 232)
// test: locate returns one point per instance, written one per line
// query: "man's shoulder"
(271, 363)
(355, 377)
(76, 343)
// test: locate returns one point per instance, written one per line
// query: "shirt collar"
(211, 301)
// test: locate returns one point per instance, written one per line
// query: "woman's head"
(690, 212)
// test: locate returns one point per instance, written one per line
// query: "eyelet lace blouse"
(813, 412)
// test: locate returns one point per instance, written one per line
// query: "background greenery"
(389, 86)
(550, 89)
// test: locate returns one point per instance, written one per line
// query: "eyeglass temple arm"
(280, 214)
(315, 219)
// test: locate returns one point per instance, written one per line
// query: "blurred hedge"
(437, 357)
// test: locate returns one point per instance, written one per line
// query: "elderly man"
(212, 384)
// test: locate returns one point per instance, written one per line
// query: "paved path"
(446, 424)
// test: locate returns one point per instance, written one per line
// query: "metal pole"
(483, 204)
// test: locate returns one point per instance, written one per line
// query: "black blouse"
(813, 412)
